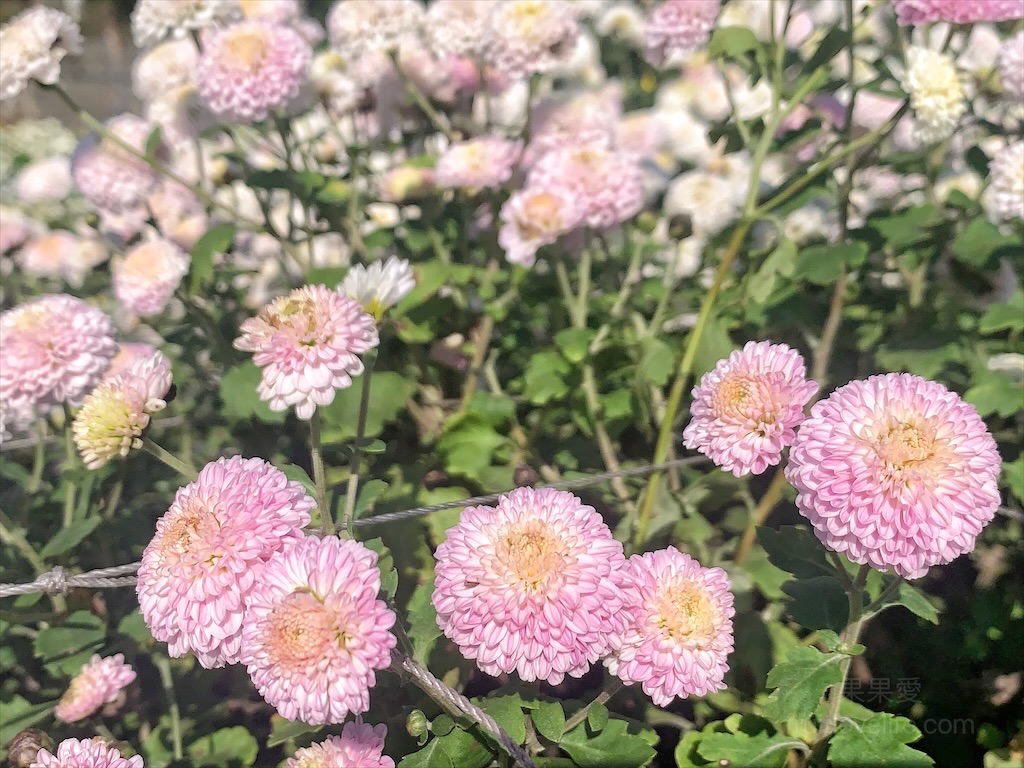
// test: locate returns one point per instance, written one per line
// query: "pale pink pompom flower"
(584, 120)
(523, 37)
(679, 626)
(45, 256)
(127, 353)
(481, 163)
(355, 28)
(315, 632)
(53, 350)
(98, 683)
(200, 569)
(117, 412)
(896, 472)
(251, 69)
(1011, 66)
(534, 217)
(747, 409)
(147, 276)
(85, 753)
(678, 27)
(110, 177)
(914, 12)
(32, 46)
(308, 344)
(608, 184)
(527, 586)
(16, 228)
(360, 746)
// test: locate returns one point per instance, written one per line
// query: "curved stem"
(610, 689)
(319, 475)
(186, 470)
(38, 460)
(163, 665)
(768, 502)
(357, 447)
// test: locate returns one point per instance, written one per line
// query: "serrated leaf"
(18, 713)
(597, 717)
(823, 264)
(916, 602)
(1009, 314)
(574, 343)
(549, 719)
(1013, 476)
(742, 749)
(613, 747)
(795, 550)
(456, 749)
(880, 742)
(79, 631)
(508, 712)
(68, 538)
(819, 602)
(800, 682)
(217, 239)
(781, 261)
(233, 747)
(389, 392)
(422, 618)
(241, 401)
(979, 240)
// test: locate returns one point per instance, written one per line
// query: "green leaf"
(468, 444)
(79, 631)
(781, 261)
(19, 714)
(1007, 315)
(915, 601)
(389, 392)
(422, 619)
(656, 363)
(795, 550)
(905, 226)
(613, 747)
(241, 401)
(997, 393)
(216, 240)
(386, 565)
(549, 718)
(455, 749)
(686, 754)
(297, 474)
(799, 682)
(714, 344)
(508, 712)
(545, 378)
(68, 538)
(742, 749)
(819, 602)
(979, 240)
(153, 143)
(597, 717)
(282, 731)
(233, 747)
(823, 264)
(732, 42)
(574, 343)
(880, 742)
(1013, 476)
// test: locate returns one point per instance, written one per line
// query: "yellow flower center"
(248, 48)
(685, 613)
(904, 445)
(531, 552)
(300, 631)
(541, 215)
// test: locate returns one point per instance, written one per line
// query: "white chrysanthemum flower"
(811, 223)
(456, 27)
(1010, 363)
(355, 27)
(707, 198)
(686, 137)
(527, 36)
(1011, 67)
(622, 20)
(32, 45)
(1004, 198)
(379, 286)
(164, 68)
(936, 94)
(153, 20)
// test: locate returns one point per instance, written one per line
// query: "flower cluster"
(110, 177)
(117, 412)
(85, 753)
(678, 27)
(308, 344)
(359, 745)
(936, 95)
(147, 276)
(32, 46)
(98, 683)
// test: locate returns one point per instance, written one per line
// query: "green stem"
(13, 537)
(163, 665)
(186, 470)
(316, 457)
(767, 503)
(436, 118)
(70, 461)
(883, 599)
(38, 460)
(834, 695)
(357, 447)
(611, 687)
(483, 338)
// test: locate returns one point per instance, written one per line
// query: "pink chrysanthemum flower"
(147, 276)
(360, 746)
(535, 217)
(251, 69)
(455, 27)
(153, 20)
(897, 472)
(85, 753)
(117, 412)
(315, 632)
(479, 163)
(585, 120)
(127, 353)
(32, 46)
(355, 28)
(1011, 67)
(308, 344)
(609, 185)
(915, 12)
(747, 409)
(528, 586)
(45, 255)
(53, 350)
(679, 626)
(98, 683)
(678, 27)
(107, 175)
(523, 37)
(200, 569)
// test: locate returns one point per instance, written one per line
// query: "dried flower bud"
(23, 748)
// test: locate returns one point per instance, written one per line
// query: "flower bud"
(23, 748)
(416, 725)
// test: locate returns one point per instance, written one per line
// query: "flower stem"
(163, 665)
(38, 461)
(357, 447)
(70, 461)
(834, 695)
(764, 508)
(186, 470)
(611, 687)
(316, 457)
